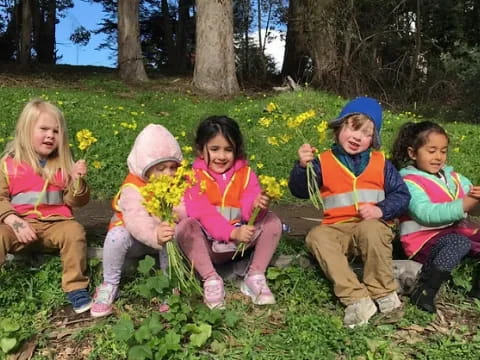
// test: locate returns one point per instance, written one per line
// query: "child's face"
(355, 141)
(164, 168)
(218, 152)
(432, 156)
(45, 135)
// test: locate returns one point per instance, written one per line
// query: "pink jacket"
(153, 145)
(198, 206)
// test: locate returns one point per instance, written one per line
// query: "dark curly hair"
(413, 135)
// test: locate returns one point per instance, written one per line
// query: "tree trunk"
(26, 33)
(296, 53)
(215, 56)
(168, 36)
(181, 32)
(130, 59)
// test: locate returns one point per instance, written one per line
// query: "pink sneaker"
(256, 287)
(103, 300)
(213, 293)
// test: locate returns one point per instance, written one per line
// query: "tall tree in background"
(25, 45)
(214, 70)
(130, 59)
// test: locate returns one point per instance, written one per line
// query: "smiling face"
(356, 139)
(45, 135)
(218, 153)
(431, 156)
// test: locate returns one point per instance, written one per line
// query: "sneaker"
(80, 299)
(388, 303)
(103, 300)
(256, 287)
(213, 293)
(359, 312)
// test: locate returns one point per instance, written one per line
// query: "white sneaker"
(359, 312)
(388, 303)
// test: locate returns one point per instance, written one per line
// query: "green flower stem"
(186, 277)
(242, 246)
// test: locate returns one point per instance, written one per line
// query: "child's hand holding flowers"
(79, 169)
(85, 139)
(165, 232)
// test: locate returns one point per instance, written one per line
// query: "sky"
(90, 15)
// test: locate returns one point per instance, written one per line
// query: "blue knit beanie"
(366, 106)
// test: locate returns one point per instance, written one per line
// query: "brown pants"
(68, 236)
(372, 240)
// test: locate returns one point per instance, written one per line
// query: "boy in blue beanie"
(362, 193)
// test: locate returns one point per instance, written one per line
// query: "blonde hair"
(21, 147)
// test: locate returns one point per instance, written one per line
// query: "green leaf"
(172, 340)
(9, 326)
(124, 329)
(145, 291)
(140, 352)
(218, 347)
(200, 333)
(273, 273)
(154, 324)
(159, 283)
(145, 265)
(231, 319)
(143, 333)
(7, 344)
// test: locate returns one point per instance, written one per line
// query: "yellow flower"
(85, 139)
(183, 133)
(271, 107)
(259, 165)
(271, 187)
(285, 138)
(272, 140)
(252, 157)
(300, 119)
(187, 149)
(265, 121)
(457, 149)
(97, 164)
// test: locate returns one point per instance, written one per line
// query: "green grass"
(307, 321)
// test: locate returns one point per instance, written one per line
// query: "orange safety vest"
(228, 203)
(31, 195)
(343, 192)
(413, 235)
(130, 180)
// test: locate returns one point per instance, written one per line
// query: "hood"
(153, 145)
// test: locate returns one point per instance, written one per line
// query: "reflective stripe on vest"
(343, 192)
(346, 199)
(34, 197)
(228, 203)
(411, 226)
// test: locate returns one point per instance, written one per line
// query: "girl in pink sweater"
(219, 206)
(133, 232)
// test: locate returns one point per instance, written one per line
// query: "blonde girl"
(37, 177)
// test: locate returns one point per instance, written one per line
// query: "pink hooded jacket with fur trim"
(153, 145)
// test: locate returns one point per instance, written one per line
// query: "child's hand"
(306, 154)
(261, 201)
(243, 233)
(370, 212)
(22, 229)
(474, 192)
(165, 232)
(79, 169)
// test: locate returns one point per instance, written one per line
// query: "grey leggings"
(119, 245)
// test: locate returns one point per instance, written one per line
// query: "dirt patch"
(95, 216)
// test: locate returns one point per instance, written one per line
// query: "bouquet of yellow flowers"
(274, 189)
(85, 139)
(161, 195)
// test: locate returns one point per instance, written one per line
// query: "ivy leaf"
(172, 340)
(9, 326)
(7, 344)
(159, 283)
(124, 329)
(145, 265)
(200, 333)
(140, 352)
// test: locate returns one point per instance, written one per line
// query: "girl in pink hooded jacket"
(133, 232)
(219, 206)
